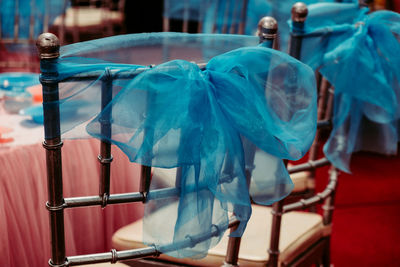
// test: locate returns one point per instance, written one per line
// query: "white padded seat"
(299, 230)
(301, 181)
(89, 17)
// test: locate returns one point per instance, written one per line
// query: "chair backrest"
(222, 16)
(54, 73)
(48, 46)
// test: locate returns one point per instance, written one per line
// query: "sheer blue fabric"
(358, 55)
(249, 108)
(23, 11)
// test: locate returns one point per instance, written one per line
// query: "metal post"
(243, 17)
(48, 46)
(267, 30)
(299, 15)
(145, 180)
(328, 208)
(232, 251)
(105, 158)
(185, 24)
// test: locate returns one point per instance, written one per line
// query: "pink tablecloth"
(24, 231)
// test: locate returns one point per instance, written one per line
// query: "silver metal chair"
(48, 46)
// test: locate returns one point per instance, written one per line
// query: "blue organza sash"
(358, 54)
(249, 108)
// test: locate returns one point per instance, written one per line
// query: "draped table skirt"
(24, 222)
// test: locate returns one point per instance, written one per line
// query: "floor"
(366, 223)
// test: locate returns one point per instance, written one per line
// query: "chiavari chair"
(48, 46)
(320, 253)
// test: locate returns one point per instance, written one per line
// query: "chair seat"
(299, 230)
(301, 181)
(89, 17)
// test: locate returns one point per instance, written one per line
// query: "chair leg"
(326, 256)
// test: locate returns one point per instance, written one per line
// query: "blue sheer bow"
(358, 55)
(249, 106)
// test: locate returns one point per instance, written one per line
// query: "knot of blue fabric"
(227, 127)
(359, 57)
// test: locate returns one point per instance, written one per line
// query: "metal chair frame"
(48, 47)
(319, 252)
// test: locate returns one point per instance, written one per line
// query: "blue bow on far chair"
(358, 53)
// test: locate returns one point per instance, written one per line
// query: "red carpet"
(366, 222)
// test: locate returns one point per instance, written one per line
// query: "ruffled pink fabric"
(24, 220)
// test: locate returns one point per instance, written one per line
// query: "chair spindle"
(105, 158)
(299, 15)
(48, 46)
(267, 30)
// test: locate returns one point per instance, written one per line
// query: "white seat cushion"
(300, 181)
(88, 17)
(298, 231)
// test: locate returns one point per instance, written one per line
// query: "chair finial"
(299, 12)
(48, 46)
(267, 28)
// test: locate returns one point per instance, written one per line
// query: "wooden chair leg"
(326, 257)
